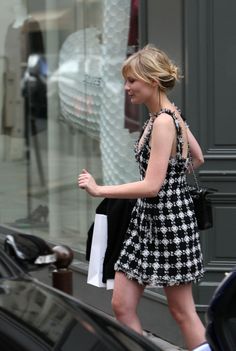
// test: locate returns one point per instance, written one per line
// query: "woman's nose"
(127, 86)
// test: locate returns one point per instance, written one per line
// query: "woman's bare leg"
(125, 299)
(182, 307)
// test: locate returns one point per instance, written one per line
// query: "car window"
(8, 268)
(84, 337)
(31, 314)
(5, 271)
(232, 331)
(38, 320)
(126, 341)
(123, 337)
(14, 336)
(8, 344)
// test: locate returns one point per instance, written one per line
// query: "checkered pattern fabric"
(162, 246)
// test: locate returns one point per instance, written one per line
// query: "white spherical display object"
(91, 89)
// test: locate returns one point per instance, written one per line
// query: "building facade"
(63, 108)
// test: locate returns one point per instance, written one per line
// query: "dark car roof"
(221, 315)
(42, 318)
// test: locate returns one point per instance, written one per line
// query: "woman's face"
(139, 91)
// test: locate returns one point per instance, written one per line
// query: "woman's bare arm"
(163, 135)
(195, 150)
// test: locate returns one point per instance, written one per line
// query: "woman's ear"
(155, 83)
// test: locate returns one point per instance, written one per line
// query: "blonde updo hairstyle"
(152, 64)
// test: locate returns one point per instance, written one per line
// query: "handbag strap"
(194, 174)
(207, 190)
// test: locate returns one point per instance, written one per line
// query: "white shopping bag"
(98, 249)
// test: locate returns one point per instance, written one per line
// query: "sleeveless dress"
(162, 246)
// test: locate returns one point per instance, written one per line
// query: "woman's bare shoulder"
(164, 119)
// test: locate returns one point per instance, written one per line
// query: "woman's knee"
(126, 295)
(176, 313)
(119, 306)
(180, 302)
(181, 314)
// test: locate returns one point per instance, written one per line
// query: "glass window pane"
(63, 108)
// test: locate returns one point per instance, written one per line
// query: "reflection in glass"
(63, 109)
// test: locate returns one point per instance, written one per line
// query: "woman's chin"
(134, 101)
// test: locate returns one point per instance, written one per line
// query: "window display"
(63, 108)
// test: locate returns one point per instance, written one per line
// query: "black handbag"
(202, 203)
(202, 206)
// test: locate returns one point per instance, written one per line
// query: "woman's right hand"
(87, 182)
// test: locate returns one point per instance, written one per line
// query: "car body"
(37, 317)
(221, 316)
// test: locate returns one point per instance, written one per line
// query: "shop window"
(63, 108)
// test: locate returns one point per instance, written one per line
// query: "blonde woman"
(161, 247)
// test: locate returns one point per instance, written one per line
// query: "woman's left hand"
(87, 182)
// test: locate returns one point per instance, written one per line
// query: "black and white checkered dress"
(161, 246)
